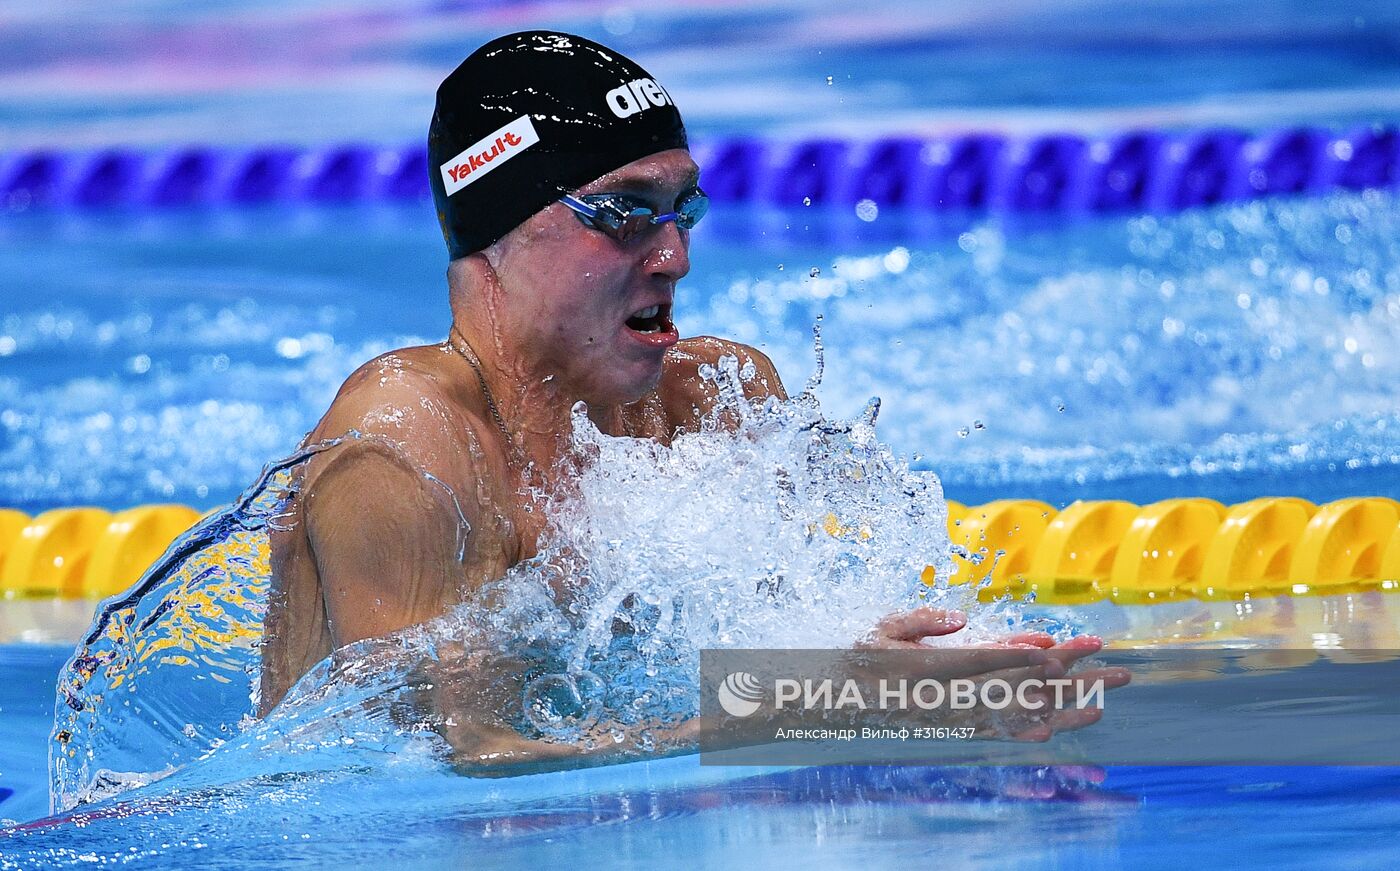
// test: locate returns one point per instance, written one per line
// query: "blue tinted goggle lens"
(691, 208)
(623, 216)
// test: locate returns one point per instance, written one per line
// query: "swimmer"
(566, 195)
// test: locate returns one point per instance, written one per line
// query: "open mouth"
(652, 319)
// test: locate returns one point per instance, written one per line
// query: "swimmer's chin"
(645, 381)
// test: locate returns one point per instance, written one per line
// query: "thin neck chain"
(469, 354)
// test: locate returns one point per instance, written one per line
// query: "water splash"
(771, 526)
(169, 668)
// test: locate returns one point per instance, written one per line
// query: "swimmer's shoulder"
(411, 402)
(686, 396)
(418, 370)
(683, 362)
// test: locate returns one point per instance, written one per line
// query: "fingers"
(986, 662)
(1069, 719)
(1029, 639)
(1082, 684)
(1066, 654)
(1060, 721)
(1039, 734)
(1114, 676)
(920, 623)
(1075, 718)
(1081, 773)
(1044, 711)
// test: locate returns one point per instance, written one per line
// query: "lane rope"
(1185, 548)
(1128, 171)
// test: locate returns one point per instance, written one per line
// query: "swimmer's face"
(581, 300)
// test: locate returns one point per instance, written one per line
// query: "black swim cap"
(529, 117)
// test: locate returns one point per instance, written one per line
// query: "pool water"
(26, 710)
(647, 814)
(167, 357)
(1231, 352)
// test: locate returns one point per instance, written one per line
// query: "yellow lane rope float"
(1179, 548)
(1091, 551)
(84, 553)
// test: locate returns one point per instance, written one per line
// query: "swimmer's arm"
(502, 752)
(387, 543)
(386, 547)
(385, 539)
(489, 749)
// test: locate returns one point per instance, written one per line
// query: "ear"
(470, 274)
(485, 279)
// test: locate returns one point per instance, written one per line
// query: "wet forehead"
(669, 172)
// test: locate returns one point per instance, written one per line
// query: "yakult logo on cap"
(636, 95)
(488, 153)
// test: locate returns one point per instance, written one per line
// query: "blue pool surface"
(166, 357)
(26, 718)
(648, 814)
(1232, 352)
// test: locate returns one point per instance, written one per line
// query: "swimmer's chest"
(513, 524)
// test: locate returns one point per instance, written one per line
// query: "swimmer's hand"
(1016, 659)
(482, 746)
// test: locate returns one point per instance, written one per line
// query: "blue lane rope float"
(1136, 170)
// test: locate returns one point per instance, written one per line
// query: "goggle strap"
(579, 205)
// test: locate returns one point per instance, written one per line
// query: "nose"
(668, 254)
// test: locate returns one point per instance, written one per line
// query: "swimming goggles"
(623, 216)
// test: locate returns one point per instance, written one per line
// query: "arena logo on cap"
(487, 153)
(638, 94)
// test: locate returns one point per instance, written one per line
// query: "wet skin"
(401, 524)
